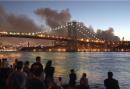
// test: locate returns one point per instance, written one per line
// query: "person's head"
(72, 71)
(26, 63)
(49, 63)
(84, 75)
(16, 60)
(110, 74)
(38, 59)
(59, 78)
(19, 65)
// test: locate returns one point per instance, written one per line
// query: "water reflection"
(10, 55)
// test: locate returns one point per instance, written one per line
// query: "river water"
(95, 64)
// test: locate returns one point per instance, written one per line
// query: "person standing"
(26, 68)
(49, 70)
(17, 79)
(72, 77)
(35, 82)
(38, 66)
(49, 73)
(110, 82)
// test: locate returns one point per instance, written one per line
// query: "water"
(95, 64)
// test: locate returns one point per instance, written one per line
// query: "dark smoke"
(22, 23)
(107, 35)
(54, 18)
(17, 23)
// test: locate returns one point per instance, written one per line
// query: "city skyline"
(98, 14)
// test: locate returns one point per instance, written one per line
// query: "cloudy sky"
(100, 14)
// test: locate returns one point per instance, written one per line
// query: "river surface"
(95, 64)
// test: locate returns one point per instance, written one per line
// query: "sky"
(100, 14)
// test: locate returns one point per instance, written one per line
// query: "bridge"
(72, 36)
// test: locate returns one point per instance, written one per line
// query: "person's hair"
(110, 74)
(72, 70)
(19, 65)
(59, 78)
(84, 75)
(49, 63)
(26, 63)
(38, 58)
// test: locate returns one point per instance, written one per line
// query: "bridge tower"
(72, 45)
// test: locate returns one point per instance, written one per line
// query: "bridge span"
(74, 36)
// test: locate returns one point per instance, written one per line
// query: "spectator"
(36, 82)
(26, 68)
(49, 73)
(110, 82)
(14, 64)
(17, 79)
(84, 82)
(4, 63)
(72, 77)
(38, 66)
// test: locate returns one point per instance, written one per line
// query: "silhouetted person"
(84, 82)
(111, 83)
(14, 64)
(37, 65)
(5, 63)
(35, 82)
(72, 77)
(17, 79)
(49, 72)
(0, 63)
(26, 68)
(4, 73)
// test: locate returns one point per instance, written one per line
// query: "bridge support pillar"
(72, 45)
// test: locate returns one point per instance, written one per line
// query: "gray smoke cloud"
(17, 23)
(52, 17)
(107, 34)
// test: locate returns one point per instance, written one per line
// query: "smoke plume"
(17, 23)
(107, 35)
(53, 18)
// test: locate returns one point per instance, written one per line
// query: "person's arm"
(105, 83)
(118, 85)
(75, 77)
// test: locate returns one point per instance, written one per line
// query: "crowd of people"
(23, 76)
